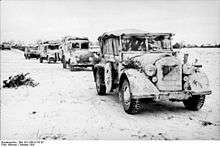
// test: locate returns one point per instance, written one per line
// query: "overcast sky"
(195, 21)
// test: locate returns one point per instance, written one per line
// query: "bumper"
(80, 65)
(180, 95)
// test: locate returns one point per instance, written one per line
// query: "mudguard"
(141, 86)
(199, 83)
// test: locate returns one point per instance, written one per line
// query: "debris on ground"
(34, 112)
(207, 123)
(53, 137)
(19, 80)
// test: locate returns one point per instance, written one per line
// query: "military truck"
(76, 53)
(141, 66)
(50, 51)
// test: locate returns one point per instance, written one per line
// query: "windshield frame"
(147, 41)
(53, 45)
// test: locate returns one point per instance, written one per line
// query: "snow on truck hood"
(151, 58)
(83, 52)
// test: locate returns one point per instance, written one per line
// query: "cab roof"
(75, 38)
(51, 42)
(131, 32)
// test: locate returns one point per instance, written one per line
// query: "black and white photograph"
(110, 70)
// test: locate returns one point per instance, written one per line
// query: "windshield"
(85, 45)
(53, 47)
(75, 45)
(34, 48)
(133, 44)
(159, 43)
(154, 43)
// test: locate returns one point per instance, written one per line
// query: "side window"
(107, 47)
(84, 45)
(115, 45)
(104, 47)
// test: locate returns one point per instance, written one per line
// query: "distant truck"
(76, 53)
(49, 51)
(31, 52)
(5, 46)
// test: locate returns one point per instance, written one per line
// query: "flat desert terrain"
(65, 106)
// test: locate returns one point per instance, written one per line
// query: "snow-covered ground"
(65, 106)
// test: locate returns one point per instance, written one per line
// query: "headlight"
(77, 58)
(73, 60)
(150, 70)
(154, 79)
(187, 69)
(185, 78)
(90, 59)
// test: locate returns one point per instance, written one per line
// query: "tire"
(41, 60)
(130, 105)
(195, 102)
(101, 89)
(72, 68)
(64, 63)
(108, 77)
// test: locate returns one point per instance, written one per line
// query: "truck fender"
(198, 82)
(141, 86)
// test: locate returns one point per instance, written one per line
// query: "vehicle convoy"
(76, 53)
(5, 46)
(49, 51)
(142, 66)
(31, 52)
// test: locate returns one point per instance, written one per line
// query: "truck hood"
(147, 58)
(83, 55)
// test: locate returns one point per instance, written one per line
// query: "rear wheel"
(64, 63)
(101, 89)
(195, 102)
(41, 60)
(130, 105)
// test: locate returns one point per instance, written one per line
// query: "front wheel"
(130, 105)
(101, 89)
(195, 102)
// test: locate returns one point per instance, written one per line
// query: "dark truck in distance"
(142, 66)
